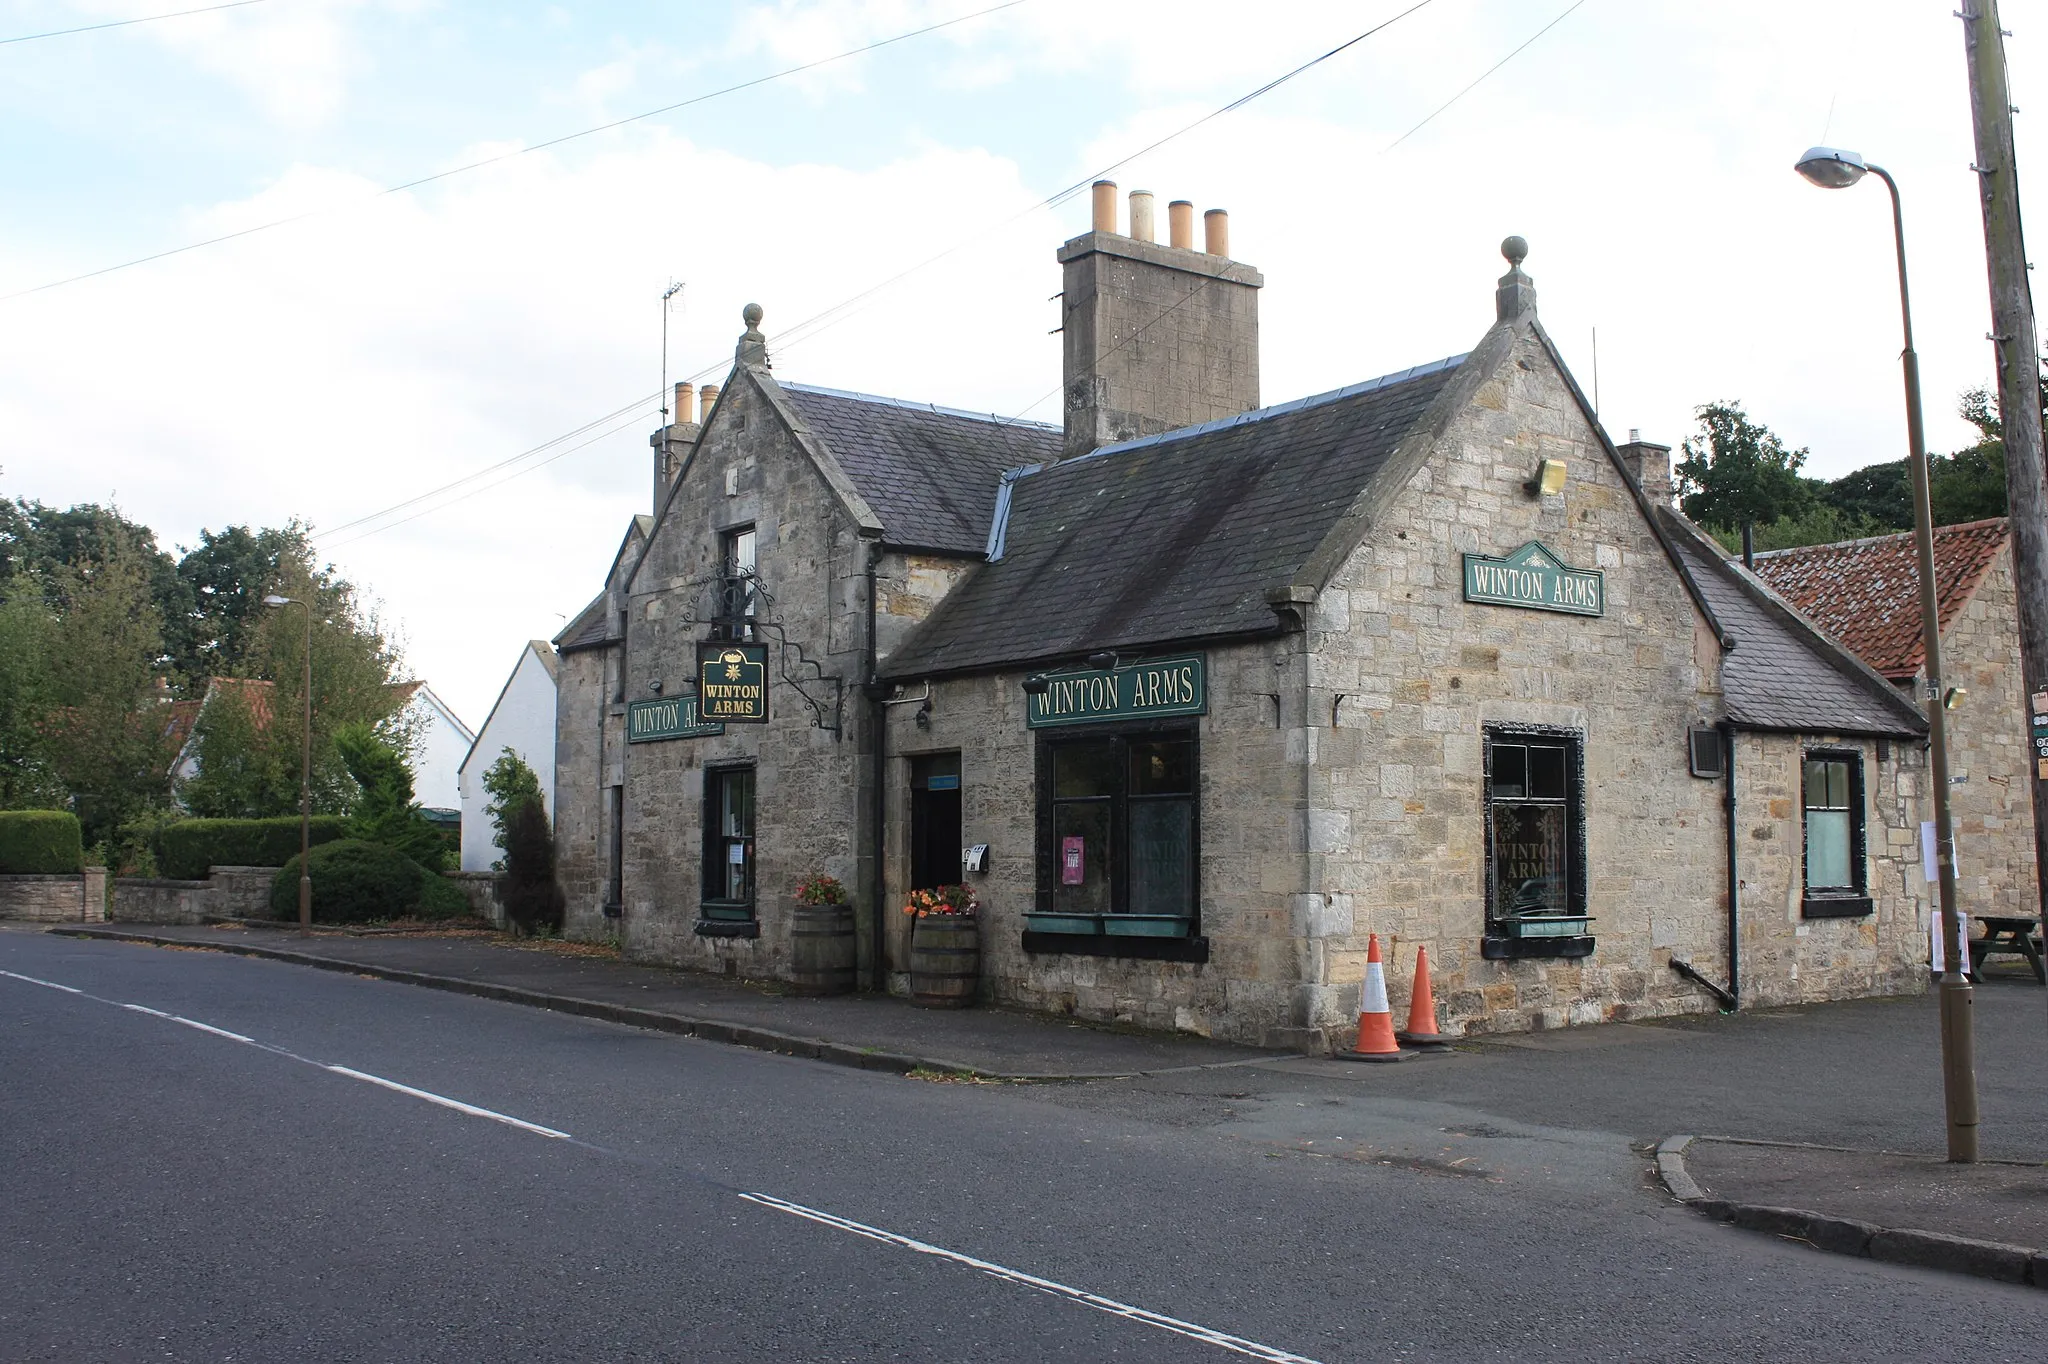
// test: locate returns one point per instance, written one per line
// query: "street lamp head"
(1831, 167)
(275, 600)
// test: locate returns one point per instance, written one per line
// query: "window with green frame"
(1120, 832)
(728, 843)
(1831, 790)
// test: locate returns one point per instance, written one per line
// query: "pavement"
(866, 1031)
(1816, 1154)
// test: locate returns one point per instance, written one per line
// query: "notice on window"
(736, 853)
(1073, 861)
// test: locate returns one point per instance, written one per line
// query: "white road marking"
(1235, 1344)
(460, 1107)
(46, 984)
(456, 1104)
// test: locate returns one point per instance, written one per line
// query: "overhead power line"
(818, 322)
(124, 23)
(516, 152)
(1483, 75)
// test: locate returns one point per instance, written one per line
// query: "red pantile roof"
(1866, 593)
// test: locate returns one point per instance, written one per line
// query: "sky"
(889, 212)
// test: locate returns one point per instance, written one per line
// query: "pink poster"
(1073, 863)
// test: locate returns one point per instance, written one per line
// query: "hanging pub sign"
(672, 717)
(732, 682)
(1534, 578)
(1156, 687)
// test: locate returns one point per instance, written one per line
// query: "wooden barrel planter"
(822, 955)
(945, 960)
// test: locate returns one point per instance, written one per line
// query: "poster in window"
(1073, 861)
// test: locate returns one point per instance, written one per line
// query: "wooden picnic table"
(2008, 936)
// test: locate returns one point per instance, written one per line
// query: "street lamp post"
(305, 771)
(1832, 168)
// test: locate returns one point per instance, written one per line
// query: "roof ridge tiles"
(992, 418)
(1983, 523)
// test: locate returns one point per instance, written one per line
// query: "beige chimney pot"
(1141, 215)
(1216, 232)
(1105, 206)
(707, 398)
(1180, 224)
(685, 405)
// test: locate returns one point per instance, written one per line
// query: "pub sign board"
(1155, 688)
(732, 682)
(2041, 734)
(1537, 580)
(673, 717)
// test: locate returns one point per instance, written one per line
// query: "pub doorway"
(934, 820)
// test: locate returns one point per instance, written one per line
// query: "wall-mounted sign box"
(1534, 578)
(1155, 688)
(671, 718)
(732, 682)
(2040, 741)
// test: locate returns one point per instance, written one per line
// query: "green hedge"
(356, 882)
(40, 843)
(189, 849)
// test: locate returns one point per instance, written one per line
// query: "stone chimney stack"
(1651, 465)
(1155, 337)
(672, 443)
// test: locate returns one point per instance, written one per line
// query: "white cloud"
(343, 364)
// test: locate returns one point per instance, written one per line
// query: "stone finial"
(753, 347)
(1516, 296)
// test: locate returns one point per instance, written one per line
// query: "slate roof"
(1866, 593)
(591, 627)
(1783, 674)
(930, 473)
(1174, 537)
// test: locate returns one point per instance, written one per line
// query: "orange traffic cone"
(1375, 1019)
(1421, 1030)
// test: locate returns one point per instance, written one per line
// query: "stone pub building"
(1201, 692)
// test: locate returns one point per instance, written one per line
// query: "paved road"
(173, 1193)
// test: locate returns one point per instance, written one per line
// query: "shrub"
(385, 811)
(528, 891)
(188, 849)
(40, 843)
(356, 882)
(510, 783)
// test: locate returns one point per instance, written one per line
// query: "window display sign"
(1534, 578)
(732, 682)
(671, 718)
(1073, 861)
(1135, 691)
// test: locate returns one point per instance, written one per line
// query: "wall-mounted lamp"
(1954, 698)
(1037, 684)
(1548, 481)
(1105, 660)
(655, 686)
(924, 715)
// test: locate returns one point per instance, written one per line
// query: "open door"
(934, 820)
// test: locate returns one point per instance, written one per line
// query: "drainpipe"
(1734, 871)
(878, 724)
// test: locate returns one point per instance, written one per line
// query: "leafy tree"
(104, 737)
(1736, 472)
(355, 670)
(224, 580)
(510, 783)
(43, 544)
(1877, 495)
(1820, 524)
(27, 639)
(385, 811)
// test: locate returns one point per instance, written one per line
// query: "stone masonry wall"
(1342, 778)
(1787, 958)
(55, 899)
(582, 853)
(1990, 796)
(809, 815)
(150, 900)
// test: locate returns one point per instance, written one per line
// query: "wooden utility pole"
(2019, 380)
